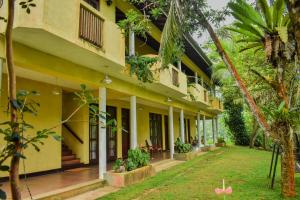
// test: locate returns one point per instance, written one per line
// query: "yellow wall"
(49, 115)
(79, 123)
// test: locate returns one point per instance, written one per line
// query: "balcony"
(169, 81)
(198, 94)
(216, 104)
(72, 30)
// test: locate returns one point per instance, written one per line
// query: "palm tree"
(266, 29)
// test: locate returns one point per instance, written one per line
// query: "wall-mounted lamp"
(106, 80)
(109, 2)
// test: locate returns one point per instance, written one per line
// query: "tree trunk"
(288, 168)
(253, 107)
(255, 133)
(12, 94)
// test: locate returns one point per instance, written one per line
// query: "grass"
(244, 169)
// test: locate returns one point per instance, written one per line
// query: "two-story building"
(62, 44)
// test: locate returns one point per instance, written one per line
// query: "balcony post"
(204, 130)
(198, 129)
(102, 133)
(196, 78)
(131, 43)
(214, 129)
(133, 123)
(171, 131)
(182, 125)
(217, 126)
(179, 65)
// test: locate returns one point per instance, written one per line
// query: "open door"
(125, 132)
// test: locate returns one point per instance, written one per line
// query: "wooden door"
(167, 143)
(187, 125)
(155, 123)
(111, 135)
(125, 132)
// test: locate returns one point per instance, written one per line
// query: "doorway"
(167, 145)
(155, 123)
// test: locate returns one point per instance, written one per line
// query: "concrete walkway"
(92, 195)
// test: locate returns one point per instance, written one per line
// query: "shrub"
(136, 158)
(181, 147)
(221, 140)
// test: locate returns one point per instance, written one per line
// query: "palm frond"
(243, 32)
(252, 45)
(267, 12)
(249, 28)
(245, 13)
(278, 12)
(170, 35)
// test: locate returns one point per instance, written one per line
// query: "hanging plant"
(141, 67)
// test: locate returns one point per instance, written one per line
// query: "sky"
(215, 4)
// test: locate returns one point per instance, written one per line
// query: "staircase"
(68, 159)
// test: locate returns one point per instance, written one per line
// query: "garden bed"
(222, 144)
(185, 156)
(128, 178)
(208, 148)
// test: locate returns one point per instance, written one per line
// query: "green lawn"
(244, 169)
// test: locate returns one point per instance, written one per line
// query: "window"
(93, 3)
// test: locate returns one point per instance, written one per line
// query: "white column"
(131, 43)
(213, 130)
(196, 78)
(217, 127)
(179, 65)
(198, 129)
(182, 125)
(133, 123)
(102, 133)
(204, 130)
(171, 132)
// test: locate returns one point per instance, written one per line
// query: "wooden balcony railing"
(91, 27)
(175, 77)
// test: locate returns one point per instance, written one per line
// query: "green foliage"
(137, 158)
(181, 147)
(141, 67)
(134, 22)
(221, 140)
(235, 121)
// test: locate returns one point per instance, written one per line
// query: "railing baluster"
(91, 27)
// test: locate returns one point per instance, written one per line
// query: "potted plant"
(221, 142)
(183, 151)
(131, 170)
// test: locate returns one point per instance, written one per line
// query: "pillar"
(102, 133)
(214, 130)
(171, 132)
(204, 130)
(133, 123)
(196, 78)
(182, 126)
(198, 129)
(131, 43)
(179, 65)
(217, 126)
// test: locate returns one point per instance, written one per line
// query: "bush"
(136, 158)
(181, 147)
(221, 140)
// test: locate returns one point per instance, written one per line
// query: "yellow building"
(62, 44)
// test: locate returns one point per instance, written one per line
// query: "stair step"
(67, 153)
(68, 157)
(71, 162)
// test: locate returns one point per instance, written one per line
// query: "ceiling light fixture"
(106, 80)
(169, 99)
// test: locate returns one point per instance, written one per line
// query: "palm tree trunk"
(12, 92)
(253, 107)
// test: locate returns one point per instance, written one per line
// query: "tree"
(283, 115)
